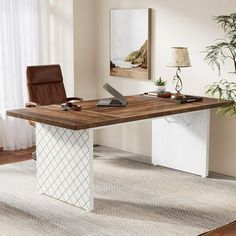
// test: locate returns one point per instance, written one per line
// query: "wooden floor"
(7, 157)
(226, 230)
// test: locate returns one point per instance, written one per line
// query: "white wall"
(1, 141)
(174, 23)
(85, 29)
(223, 145)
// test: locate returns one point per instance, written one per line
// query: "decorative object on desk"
(130, 43)
(216, 55)
(179, 58)
(187, 99)
(167, 97)
(165, 94)
(70, 106)
(161, 85)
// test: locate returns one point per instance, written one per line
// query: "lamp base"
(178, 95)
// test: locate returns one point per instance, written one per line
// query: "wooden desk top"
(139, 108)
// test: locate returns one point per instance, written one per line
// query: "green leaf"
(223, 48)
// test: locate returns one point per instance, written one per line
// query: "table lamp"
(179, 58)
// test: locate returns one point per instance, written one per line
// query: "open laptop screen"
(115, 93)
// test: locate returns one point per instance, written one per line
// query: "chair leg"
(34, 157)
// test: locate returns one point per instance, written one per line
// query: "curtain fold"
(32, 32)
(19, 47)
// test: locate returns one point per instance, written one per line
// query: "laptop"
(118, 101)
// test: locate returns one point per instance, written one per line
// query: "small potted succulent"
(161, 85)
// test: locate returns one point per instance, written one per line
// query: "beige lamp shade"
(179, 57)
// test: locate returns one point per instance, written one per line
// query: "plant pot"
(161, 89)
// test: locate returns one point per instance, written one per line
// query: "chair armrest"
(31, 104)
(75, 98)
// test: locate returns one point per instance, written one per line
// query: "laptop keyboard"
(115, 102)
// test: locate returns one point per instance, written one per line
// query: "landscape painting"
(130, 43)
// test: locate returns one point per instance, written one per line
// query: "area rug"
(131, 198)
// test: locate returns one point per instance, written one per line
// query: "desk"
(64, 140)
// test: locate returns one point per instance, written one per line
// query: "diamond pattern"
(64, 164)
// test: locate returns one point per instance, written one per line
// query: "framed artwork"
(130, 43)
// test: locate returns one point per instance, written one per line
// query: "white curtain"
(19, 47)
(31, 32)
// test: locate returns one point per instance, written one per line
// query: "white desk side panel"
(65, 164)
(182, 142)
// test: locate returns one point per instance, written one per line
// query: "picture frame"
(130, 43)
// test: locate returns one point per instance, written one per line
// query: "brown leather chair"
(45, 85)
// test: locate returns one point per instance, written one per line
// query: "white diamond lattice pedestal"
(64, 164)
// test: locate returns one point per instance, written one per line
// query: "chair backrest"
(45, 84)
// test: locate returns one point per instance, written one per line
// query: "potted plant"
(161, 85)
(224, 50)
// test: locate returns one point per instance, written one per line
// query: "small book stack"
(165, 94)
